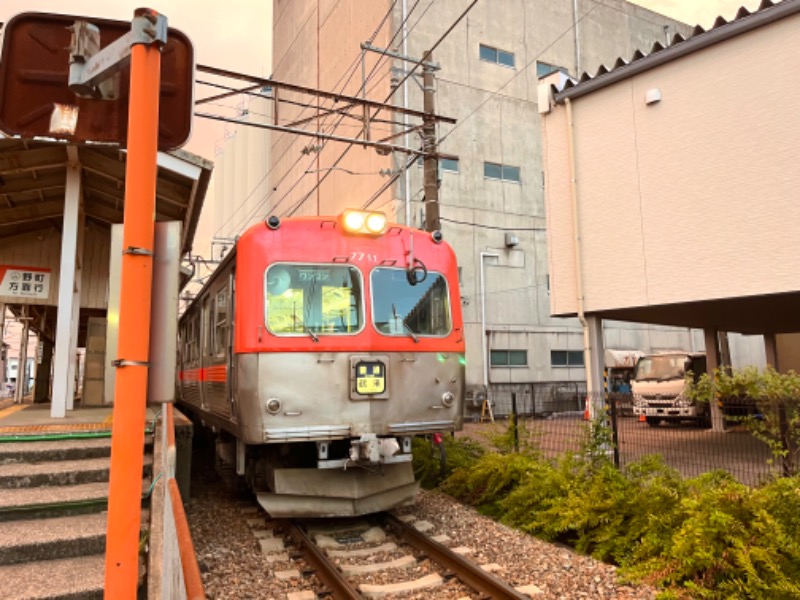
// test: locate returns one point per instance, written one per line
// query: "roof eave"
(693, 44)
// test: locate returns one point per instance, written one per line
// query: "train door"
(218, 374)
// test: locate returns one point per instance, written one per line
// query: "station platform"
(34, 419)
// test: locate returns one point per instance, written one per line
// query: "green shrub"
(459, 452)
(706, 537)
(492, 478)
(775, 400)
(720, 542)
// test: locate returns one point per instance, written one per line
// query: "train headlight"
(448, 398)
(273, 406)
(376, 223)
(359, 221)
(354, 220)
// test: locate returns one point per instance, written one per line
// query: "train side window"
(195, 339)
(221, 321)
(208, 320)
(190, 340)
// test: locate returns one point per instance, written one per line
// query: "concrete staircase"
(53, 498)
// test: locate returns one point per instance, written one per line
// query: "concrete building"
(651, 167)
(492, 190)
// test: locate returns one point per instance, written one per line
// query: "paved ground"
(685, 447)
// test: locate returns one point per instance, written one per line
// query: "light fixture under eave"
(652, 96)
(64, 119)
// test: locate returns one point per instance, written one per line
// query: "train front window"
(399, 308)
(307, 299)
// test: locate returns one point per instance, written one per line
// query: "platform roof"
(32, 187)
(33, 179)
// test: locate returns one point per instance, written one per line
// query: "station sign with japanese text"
(17, 283)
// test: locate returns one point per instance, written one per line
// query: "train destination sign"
(370, 378)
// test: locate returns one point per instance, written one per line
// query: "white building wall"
(710, 233)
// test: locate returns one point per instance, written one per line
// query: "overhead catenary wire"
(293, 209)
(518, 73)
(348, 75)
(408, 74)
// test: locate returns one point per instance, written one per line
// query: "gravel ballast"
(233, 566)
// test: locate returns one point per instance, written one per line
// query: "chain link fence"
(754, 442)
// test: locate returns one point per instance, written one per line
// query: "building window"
(502, 172)
(566, 358)
(448, 164)
(544, 69)
(493, 55)
(445, 164)
(509, 358)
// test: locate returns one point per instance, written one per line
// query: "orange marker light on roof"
(359, 221)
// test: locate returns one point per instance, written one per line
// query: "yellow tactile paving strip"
(11, 410)
(56, 428)
(105, 424)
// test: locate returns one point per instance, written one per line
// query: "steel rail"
(466, 571)
(325, 570)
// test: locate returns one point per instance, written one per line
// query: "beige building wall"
(239, 189)
(43, 249)
(688, 199)
(316, 44)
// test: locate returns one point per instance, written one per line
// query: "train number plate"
(370, 378)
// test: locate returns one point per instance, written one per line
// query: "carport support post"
(595, 364)
(130, 391)
(712, 364)
(771, 349)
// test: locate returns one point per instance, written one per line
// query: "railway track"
(341, 577)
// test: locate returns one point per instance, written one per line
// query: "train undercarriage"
(344, 477)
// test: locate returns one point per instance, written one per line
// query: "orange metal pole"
(130, 392)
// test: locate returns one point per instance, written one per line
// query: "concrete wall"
(498, 121)
(687, 196)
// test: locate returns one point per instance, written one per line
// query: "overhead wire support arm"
(279, 85)
(317, 134)
(428, 65)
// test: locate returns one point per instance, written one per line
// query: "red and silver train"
(317, 350)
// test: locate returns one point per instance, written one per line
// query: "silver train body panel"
(318, 397)
(317, 400)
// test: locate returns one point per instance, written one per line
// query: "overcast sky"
(235, 34)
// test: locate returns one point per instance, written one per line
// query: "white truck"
(659, 388)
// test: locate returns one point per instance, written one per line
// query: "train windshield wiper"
(311, 333)
(411, 333)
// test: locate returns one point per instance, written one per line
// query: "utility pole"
(430, 166)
